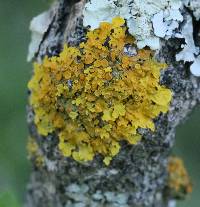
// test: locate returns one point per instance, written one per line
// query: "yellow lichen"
(96, 95)
(178, 181)
(34, 152)
(32, 146)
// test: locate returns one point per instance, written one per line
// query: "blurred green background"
(14, 74)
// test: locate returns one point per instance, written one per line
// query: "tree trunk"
(138, 175)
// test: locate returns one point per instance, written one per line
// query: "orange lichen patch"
(34, 152)
(96, 95)
(178, 181)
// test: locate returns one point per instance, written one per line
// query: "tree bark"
(138, 175)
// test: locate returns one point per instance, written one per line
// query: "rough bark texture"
(137, 175)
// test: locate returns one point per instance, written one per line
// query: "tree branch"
(138, 175)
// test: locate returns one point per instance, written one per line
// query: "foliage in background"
(8, 199)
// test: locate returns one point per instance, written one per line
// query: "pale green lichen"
(96, 95)
(147, 20)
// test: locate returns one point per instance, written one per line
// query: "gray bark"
(137, 176)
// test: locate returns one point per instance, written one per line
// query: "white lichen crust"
(194, 6)
(187, 54)
(38, 27)
(195, 67)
